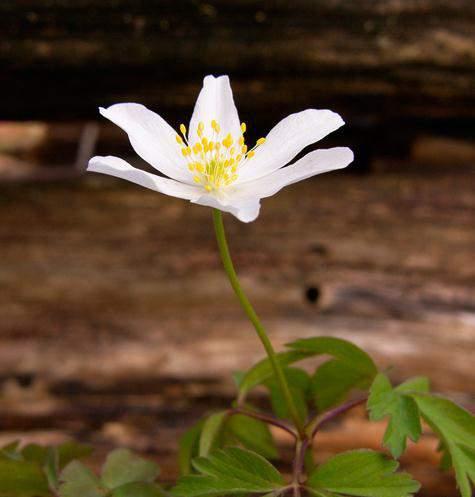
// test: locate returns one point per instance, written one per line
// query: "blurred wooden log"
(369, 59)
(125, 284)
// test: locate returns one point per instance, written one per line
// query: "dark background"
(117, 325)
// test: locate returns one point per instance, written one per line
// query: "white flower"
(212, 165)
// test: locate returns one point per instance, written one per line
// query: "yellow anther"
(244, 149)
(250, 154)
(184, 152)
(232, 160)
(217, 146)
(215, 126)
(199, 167)
(234, 169)
(197, 148)
(179, 139)
(204, 141)
(243, 127)
(238, 158)
(228, 141)
(191, 167)
(201, 125)
(241, 140)
(260, 141)
(197, 179)
(183, 129)
(232, 151)
(210, 145)
(208, 188)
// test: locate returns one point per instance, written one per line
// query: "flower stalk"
(253, 317)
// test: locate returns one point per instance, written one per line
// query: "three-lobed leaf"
(456, 428)
(77, 480)
(123, 466)
(230, 471)
(124, 474)
(400, 407)
(361, 473)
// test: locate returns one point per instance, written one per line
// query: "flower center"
(215, 159)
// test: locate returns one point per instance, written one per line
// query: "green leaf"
(122, 466)
(230, 471)
(456, 428)
(339, 349)
(210, 432)
(22, 479)
(299, 385)
(138, 489)
(78, 480)
(333, 380)
(396, 403)
(361, 473)
(262, 371)
(252, 434)
(188, 447)
(351, 368)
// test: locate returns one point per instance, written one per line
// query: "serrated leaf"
(252, 434)
(361, 473)
(138, 489)
(210, 432)
(22, 479)
(332, 382)
(230, 471)
(402, 410)
(262, 371)
(77, 480)
(299, 385)
(188, 447)
(123, 466)
(456, 428)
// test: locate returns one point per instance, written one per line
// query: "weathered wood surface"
(372, 59)
(118, 327)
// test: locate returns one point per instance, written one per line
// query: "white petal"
(317, 162)
(122, 169)
(152, 138)
(289, 137)
(245, 210)
(215, 101)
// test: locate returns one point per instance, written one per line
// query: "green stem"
(251, 314)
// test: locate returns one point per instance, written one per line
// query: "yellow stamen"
(215, 126)
(179, 139)
(183, 129)
(244, 149)
(260, 141)
(243, 127)
(250, 154)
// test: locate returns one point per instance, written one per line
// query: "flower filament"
(215, 159)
